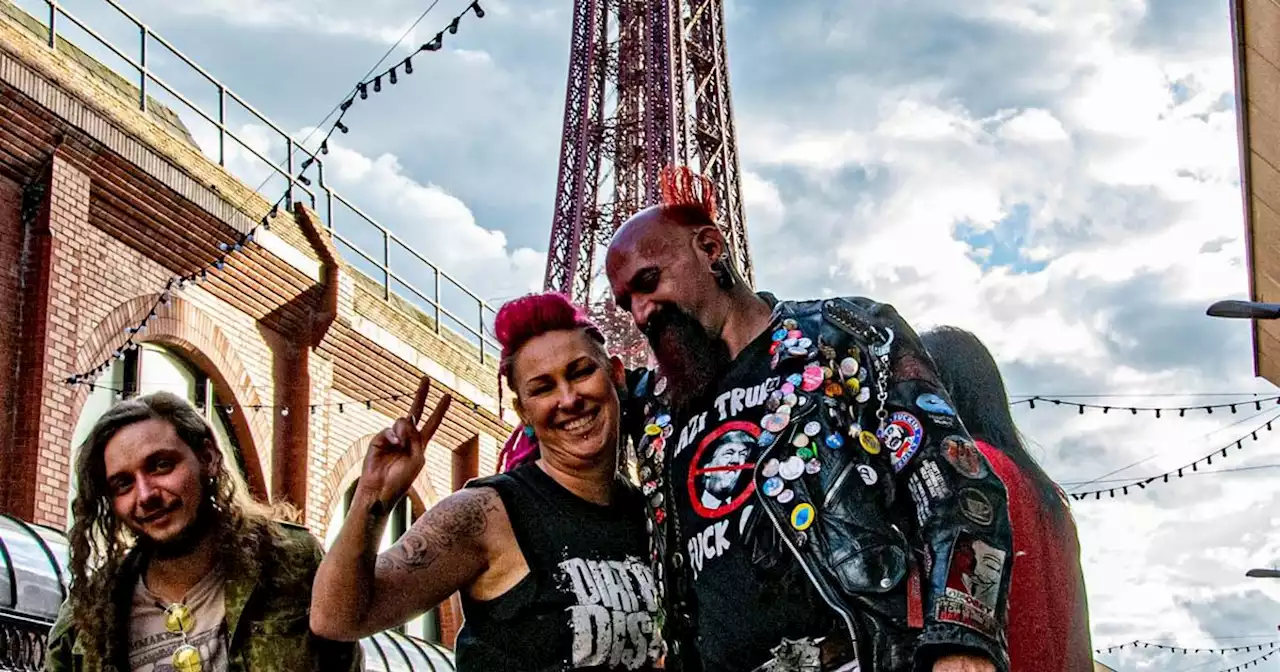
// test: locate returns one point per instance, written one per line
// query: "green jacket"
(268, 630)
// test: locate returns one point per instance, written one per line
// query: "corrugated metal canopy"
(391, 651)
(33, 559)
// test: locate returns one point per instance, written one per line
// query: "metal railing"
(470, 317)
(23, 641)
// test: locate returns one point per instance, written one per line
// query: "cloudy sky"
(1059, 177)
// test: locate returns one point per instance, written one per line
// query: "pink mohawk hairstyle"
(682, 188)
(518, 321)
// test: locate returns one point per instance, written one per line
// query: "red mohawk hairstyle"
(685, 190)
(518, 321)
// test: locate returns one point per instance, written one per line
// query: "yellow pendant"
(178, 618)
(187, 659)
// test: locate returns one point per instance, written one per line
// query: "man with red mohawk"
(814, 501)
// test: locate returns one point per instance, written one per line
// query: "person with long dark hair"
(174, 566)
(1048, 610)
(549, 555)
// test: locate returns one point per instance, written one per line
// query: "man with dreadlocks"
(174, 566)
(861, 526)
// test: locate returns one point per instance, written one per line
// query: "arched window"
(426, 626)
(154, 368)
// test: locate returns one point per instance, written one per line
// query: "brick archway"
(183, 327)
(343, 472)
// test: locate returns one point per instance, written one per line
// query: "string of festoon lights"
(1251, 663)
(228, 248)
(1269, 647)
(1141, 484)
(1139, 644)
(284, 409)
(1158, 411)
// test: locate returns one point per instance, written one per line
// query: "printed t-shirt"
(151, 645)
(589, 601)
(741, 609)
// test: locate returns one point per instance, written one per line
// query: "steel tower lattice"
(648, 85)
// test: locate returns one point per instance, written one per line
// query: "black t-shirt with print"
(742, 609)
(589, 602)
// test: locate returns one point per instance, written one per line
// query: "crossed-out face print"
(720, 476)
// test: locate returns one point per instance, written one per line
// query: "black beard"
(690, 358)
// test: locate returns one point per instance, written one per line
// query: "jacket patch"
(902, 436)
(961, 454)
(972, 592)
(976, 507)
(926, 487)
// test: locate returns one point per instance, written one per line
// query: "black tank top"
(589, 601)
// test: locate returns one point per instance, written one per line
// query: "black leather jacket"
(908, 539)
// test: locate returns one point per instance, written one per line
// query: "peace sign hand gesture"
(397, 453)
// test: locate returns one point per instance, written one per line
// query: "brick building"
(293, 353)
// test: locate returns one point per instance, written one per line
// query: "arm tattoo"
(458, 520)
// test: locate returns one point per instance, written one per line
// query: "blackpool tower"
(648, 85)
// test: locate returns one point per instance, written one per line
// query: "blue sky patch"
(1001, 246)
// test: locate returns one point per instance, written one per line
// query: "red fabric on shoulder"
(1048, 627)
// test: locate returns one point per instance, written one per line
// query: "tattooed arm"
(358, 593)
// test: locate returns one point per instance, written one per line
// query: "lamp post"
(1247, 310)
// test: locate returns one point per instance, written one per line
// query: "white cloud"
(432, 222)
(437, 224)
(1033, 125)
(380, 21)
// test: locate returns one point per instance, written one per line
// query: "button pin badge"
(792, 468)
(802, 517)
(869, 442)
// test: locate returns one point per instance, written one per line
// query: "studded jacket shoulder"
(870, 482)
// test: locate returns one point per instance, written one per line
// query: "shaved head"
(662, 269)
